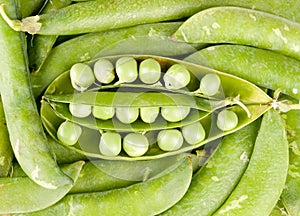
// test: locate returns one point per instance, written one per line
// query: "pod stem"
(28, 24)
(284, 106)
(237, 101)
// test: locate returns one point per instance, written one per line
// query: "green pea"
(169, 140)
(149, 71)
(149, 114)
(193, 133)
(104, 71)
(80, 110)
(81, 76)
(135, 144)
(174, 114)
(126, 69)
(127, 115)
(69, 133)
(176, 77)
(227, 120)
(210, 84)
(103, 113)
(110, 144)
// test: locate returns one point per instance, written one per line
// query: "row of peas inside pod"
(143, 107)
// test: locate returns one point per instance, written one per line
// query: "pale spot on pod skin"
(279, 34)
(252, 17)
(295, 91)
(234, 204)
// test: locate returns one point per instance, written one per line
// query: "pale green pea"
(227, 120)
(193, 133)
(110, 144)
(149, 71)
(103, 113)
(81, 76)
(69, 133)
(126, 69)
(127, 115)
(149, 114)
(176, 77)
(80, 110)
(104, 71)
(210, 84)
(135, 144)
(174, 114)
(169, 140)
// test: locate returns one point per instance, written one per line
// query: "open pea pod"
(246, 101)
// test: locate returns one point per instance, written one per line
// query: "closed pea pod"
(27, 135)
(265, 179)
(252, 27)
(160, 193)
(276, 71)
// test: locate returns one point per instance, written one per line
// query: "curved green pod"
(251, 27)
(262, 67)
(213, 183)
(263, 181)
(24, 125)
(291, 193)
(246, 100)
(152, 196)
(143, 39)
(21, 195)
(6, 153)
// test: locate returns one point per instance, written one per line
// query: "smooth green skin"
(80, 110)
(104, 71)
(127, 115)
(135, 144)
(24, 125)
(263, 181)
(169, 140)
(69, 133)
(82, 76)
(227, 120)
(262, 67)
(146, 198)
(110, 144)
(143, 39)
(193, 133)
(149, 114)
(291, 194)
(31, 7)
(21, 195)
(213, 183)
(39, 47)
(103, 113)
(177, 77)
(6, 153)
(149, 71)
(174, 114)
(210, 84)
(126, 69)
(114, 15)
(252, 27)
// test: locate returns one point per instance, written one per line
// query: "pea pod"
(21, 195)
(6, 153)
(252, 27)
(143, 39)
(263, 181)
(58, 96)
(40, 46)
(24, 125)
(28, 8)
(276, 71)
(213, 183)
(290, 196)
(158, 193)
